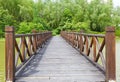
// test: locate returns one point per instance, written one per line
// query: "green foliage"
(82, 26)
(23, 27)
(27, 27)
(5, 19)
(99, 15)
(118, 31)
(55, 32)
(1, 33)
(57, 15)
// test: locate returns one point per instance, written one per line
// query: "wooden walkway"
(59, 62)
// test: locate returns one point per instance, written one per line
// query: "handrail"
(97, 48)
(20, 35)
(97, 35)
(20, 48)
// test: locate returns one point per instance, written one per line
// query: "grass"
(117, 37)
(2, 60)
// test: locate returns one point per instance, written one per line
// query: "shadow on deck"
(59, 62)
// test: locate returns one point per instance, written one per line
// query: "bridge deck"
(59, 62)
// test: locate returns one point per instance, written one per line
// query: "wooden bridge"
(71, 57)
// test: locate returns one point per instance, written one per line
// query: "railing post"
(81, 41)
(86, 45)
(34, 40)
(110, 55)
(68, 37)
(94, 48)
(23, 47)
(10, 54)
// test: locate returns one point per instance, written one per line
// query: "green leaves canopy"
(58, 15)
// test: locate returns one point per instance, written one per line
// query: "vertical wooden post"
(9, 54)
(23, 48)
(86, 45)
(68, 37)
(34, 40)
(110, 54)
(43, 35)
(73, 39)
(81, 41)
(40, 39)
(77, 40)
(94, 48)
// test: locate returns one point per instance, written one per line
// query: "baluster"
(29, 45)
(23, 48)
(86, 45)
(34, 41)
(94, 48)
(81, 43)
(78, 41)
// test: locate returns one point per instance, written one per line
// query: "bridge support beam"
(9, 54)
(110, 55)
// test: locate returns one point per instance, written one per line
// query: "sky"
(116, 3)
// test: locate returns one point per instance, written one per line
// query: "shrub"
(117, 32)
(27, 27)
(23, 28)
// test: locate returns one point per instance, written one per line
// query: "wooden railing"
(98, 49)
(20, 48)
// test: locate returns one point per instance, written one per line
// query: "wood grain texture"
(9, 54)
(59, 62)
(110, 54)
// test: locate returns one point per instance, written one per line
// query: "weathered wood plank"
(63, 79)
(59, 62)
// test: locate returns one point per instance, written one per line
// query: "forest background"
(56, 15)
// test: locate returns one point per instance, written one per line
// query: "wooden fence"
(20, 48)
(98, 49)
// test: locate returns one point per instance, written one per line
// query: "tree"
(58, 15)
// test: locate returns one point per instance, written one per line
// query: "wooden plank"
(59, 62)
(62, 79)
